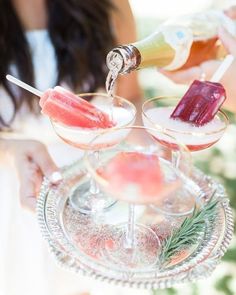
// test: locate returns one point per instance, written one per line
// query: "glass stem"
(95, 192)
(94, 189)
(175, 158)
(129, 241)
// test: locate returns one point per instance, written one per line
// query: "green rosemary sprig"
(188, 233)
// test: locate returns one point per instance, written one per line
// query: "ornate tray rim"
(183, 273)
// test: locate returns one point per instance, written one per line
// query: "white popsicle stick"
(219, 73)
(24, 85)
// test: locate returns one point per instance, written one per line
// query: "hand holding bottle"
(206, 69)
(231, 12)
(177, 44)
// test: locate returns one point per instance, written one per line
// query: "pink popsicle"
(65, 107)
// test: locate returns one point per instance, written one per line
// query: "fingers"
(228, 40)
(30, 180)
(202, 72)
(209, 68)
(41, 157)
(183, 76)
(231, 12)
(32, 162)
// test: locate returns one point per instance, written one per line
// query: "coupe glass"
(156, 114)
(86, 197)
(128, 171)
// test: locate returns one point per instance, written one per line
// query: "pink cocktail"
(139, 171)
(77, 122)
(157, 114)
(136, 177)
(121, 111)
(86, 197)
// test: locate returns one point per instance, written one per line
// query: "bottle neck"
(123, 59)
(155, 51)
(167, 48)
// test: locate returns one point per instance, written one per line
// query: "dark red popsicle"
(200, 103)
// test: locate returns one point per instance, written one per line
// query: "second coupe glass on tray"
(86, 197)
(139, 171)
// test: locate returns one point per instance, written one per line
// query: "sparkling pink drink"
(137, 177)
(157, 114)
(78, 121)
(81, 137)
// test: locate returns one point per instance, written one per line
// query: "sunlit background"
(169, 8)
(219, 161)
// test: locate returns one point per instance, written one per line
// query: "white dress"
(26, 267)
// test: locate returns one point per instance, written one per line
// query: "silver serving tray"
(75, 238)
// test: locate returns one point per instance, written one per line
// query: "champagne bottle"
(167, 48)
(178, 43)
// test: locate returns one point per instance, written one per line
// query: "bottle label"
(204, 25)
(180, 39)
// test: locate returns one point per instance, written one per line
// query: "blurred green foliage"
(223, 285)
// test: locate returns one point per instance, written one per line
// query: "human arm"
(209, 68)
(32, 161)
(231, 12)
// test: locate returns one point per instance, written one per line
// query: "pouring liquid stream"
(110, 83)
(114, 64)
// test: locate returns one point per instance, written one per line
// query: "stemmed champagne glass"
(156, 114)
(137, 171)
(85, 196)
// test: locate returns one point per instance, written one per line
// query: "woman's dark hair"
(81, 34)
